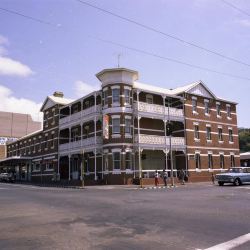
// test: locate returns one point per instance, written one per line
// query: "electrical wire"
(236, 8)
(163, 33)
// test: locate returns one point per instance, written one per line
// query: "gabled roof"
(188, 88)
(53, 100)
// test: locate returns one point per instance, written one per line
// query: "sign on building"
(106, 127)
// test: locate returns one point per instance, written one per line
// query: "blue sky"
(37, 59)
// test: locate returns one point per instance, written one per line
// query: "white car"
(236, 175)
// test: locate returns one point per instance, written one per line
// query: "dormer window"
(149, 99)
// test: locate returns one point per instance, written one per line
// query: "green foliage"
(244, 139)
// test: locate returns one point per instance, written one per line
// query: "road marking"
(232, 243)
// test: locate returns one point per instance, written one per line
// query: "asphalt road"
(195, 216)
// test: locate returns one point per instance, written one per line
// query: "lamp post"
(82, 168)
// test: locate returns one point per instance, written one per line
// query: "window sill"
(198, 170)
(209, 141)
(221, 142)
(231, 142)
(207, 114)
(195, 113)
(197, 140)
(116, 171)
(229, 118)
(219, 116)
(129, 171)
(210, 170)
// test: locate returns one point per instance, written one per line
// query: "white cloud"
(10, 103)
(9, 66)
(82, 88)
(12, 67)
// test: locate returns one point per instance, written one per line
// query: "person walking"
(213, 178)
(156, 178)
(165, 177)
(182, 177)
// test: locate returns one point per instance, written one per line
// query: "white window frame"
(114, 89)
(118, 130)
(119, 160)
(149, 99)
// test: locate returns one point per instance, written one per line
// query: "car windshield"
(235, 170)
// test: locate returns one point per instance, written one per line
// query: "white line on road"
(232, 243)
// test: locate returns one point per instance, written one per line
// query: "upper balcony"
(155, 141)
(158, 111)
(81, 115)
(77, 145)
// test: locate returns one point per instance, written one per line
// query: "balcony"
(80, 115)
(160, 141)
(155, 110)
(80, 144)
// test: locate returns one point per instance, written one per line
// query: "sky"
(65, 50)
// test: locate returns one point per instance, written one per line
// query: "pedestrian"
(165, 177)
(213, 178)
(182, 177)
(156, 178)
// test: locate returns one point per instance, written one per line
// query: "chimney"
(58, 94)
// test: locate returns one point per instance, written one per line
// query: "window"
(222, 162)
(127, 126)
(52, 141)
(149, 99)
(218, 109)
(196, 132)
(208, 134)
(48, 166)
(116, 95)
(105, 97)
(220, 134)
(106, 163)
(127, 96)
(116, 160)
(230, 135)
(128, 160)
(194, 105)
(207, 110)
(228, 111)
(116, 125)
(74, 134)
(46, 142)
(36, 167)
(197, 160)
(210, 161)
(232, 161)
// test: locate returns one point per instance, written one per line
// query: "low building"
(14, 126)
(127, 130)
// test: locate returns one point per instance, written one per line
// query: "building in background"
(14, 126)
(127, 130)
(34, 156)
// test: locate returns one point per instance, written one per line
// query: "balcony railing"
(81, 143)
(159, 140)
(158, 109)
(79, 115)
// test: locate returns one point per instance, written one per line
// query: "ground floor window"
(36, 167)
(210, 161)
(197, 161)
(106, 164)
(116, 160)
(222, 162)
(232, 161)
(128, 160)
(49, 166)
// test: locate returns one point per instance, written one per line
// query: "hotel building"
(126, 130)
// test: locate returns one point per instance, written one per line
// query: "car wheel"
(221, 183)
(237, 182)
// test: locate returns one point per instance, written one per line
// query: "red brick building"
(127, 130)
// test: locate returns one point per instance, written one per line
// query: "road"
(196, 216)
